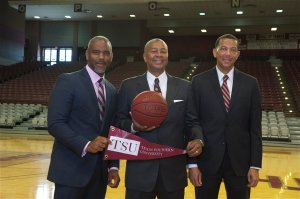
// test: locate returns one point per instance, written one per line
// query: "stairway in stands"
(289, 103)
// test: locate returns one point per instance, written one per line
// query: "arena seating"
(24, 99)
(292, 69)
(12, 114)
(16, 70)
(34, 87)
(274, 126)
(263, 71)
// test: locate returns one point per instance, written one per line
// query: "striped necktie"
(101, 98)
(225, 93)
(156, 85)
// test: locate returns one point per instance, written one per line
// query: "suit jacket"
(238, 131)
(142, 175)
(73, 120)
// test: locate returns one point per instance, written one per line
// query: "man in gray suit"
(165, 178)
(79, 117)
(229, 109)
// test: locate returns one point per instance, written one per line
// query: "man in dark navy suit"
(229, 109)
(81, 110)
(163, 178)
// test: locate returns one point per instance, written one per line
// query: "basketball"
(149, 109)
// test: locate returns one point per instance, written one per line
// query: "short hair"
(99, 38)
(226, 36)
(154, 40)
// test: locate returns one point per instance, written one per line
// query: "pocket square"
(175, 101)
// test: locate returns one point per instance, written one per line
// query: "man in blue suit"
(228, 104)
(79, 118)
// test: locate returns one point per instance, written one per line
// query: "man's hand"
(113, 178)
(98, 144)
(253, 177)
(195, 177)
(137, 127)
(194, 148)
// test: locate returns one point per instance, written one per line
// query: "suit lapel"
(216, 88)
(108, 91)
(142, 84)
(171, 89)
(89, 86)
(235, 88)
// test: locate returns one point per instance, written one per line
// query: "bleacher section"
(274, 126)
(19, 69)
(34, 87)
(292, 69)
(23, 100)
(265, 74)
(13, 114)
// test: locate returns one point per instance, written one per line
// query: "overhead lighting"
(171, 31)
(68, 17)
(279, 11)
(239, 12)
(166, 14)
(203, 30)
(201, 13)
(37, 17)
(99, 16)
(132, 15)
(238, 30)
(274, 29)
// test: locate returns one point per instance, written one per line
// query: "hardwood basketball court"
(25, 160)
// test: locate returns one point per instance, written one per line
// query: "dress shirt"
(163, 80)
(229, 80)
(94, 78)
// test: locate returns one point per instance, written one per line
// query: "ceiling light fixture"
(132, 15)
(239, 12)
(201, 13)
(37, 17)
(68, 17)
(203, 30)
(171, 31)
(99, 16)
(274, 29)
(166, 14)
(279, 11)
(238, 30)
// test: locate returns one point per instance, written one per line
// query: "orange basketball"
(149, 109)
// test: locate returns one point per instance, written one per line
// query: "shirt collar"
(162, 78)
(94, 76)
(221, 75)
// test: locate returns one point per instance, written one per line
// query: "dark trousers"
(159, 191)
(236, 186)
(95, 189)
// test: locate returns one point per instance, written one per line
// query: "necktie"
(156, 85)
(225, 92)
(101, 98)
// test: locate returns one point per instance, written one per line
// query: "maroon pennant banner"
(127, 146)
